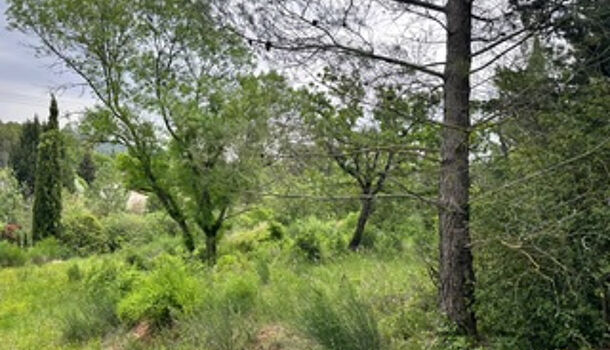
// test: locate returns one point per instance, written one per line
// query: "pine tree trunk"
(365, 212)
(456, 270)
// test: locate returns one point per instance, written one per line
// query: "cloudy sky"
(26, 81)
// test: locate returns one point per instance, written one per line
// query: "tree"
(87, 168)
(379, 35)
(370, 146)
(22, 157)
(541, 205)
(9, 134)
(47, 194)
(171, 61)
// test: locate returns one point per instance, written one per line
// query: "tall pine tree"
(47, 190)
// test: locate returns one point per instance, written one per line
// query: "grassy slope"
(32, 299)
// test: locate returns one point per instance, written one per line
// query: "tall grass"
(340, 321)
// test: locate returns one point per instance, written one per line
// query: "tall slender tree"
(47, 190)
(23, 156)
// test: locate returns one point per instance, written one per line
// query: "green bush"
(11, 255)
(237, 290)
(47, 250)
(340, 321)
(82, 233)
(122, 228)
(159, 296)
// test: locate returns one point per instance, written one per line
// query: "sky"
(27, 81)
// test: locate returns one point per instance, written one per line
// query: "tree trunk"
(365, 212)
(456, 271)
(210, 247)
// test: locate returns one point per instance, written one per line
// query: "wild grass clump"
(92, 313)
(340, 321)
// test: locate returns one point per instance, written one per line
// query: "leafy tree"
(87, 168)
(371, 146)
(171, 61)
(541, 205)
(22, 158)
(9, 134)
(379, 35)
(47, 196)
(11, 199)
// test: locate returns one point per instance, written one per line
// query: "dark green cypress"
(23, 156)
(87, 168)
(47, 189)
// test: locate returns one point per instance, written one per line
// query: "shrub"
(11, 255)
(340, 322)
(166, 291)
(238, 291)
(82, 233)
(315, 239)
(121, 229)
(46, 250)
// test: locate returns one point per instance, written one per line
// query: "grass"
(32, 298)
(271, 302)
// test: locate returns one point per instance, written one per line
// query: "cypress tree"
(23, 156)
(47, 189)
(87, 168)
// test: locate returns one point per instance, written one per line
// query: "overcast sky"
(26, 81)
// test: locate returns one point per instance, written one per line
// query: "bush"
(315, 239)
(341, 321)
(238, 291)
(82, 233)
(162, 294)
(124, 228)
(11, 255)
(47, 250)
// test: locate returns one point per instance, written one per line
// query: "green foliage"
(47, 197)
(165, 292)
(87, 169)
(9, 136)
(83, 234)
(47, 250)
(24, 154)
(11, 200)
(315, 239)
(11, 255)
(92, 313)
(340, 322)
(542, 211)
(74, 273)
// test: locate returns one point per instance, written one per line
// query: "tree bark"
(210, 247)
(365, 212)
(456, 271)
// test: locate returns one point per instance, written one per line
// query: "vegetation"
(296, 211)
(47, 194)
